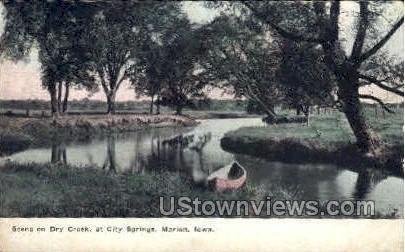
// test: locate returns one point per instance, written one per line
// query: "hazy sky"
(22, 80)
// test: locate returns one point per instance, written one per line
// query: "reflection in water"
(58, 153)
(366, 181)
(110, 163)
(196, 152)
(199, 173)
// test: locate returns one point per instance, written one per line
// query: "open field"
(40, 108)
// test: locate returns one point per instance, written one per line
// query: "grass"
(327, 138)
(57, 190)
(50, 190)
(195, 114)
(329, 128)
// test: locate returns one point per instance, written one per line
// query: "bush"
(12, 142)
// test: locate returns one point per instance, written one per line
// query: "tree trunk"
(306, 110)
(367, 141)
(60, 86)
(111, 103)
(270, 110)
(151, 105)
(179, 109)
(375, 110)
(66, 98)
(158, 104)
(54, 101)
(111, 155)
(54, 153)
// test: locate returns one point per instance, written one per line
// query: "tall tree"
(184, 78)
(116, 37)
(169, 65)
(50, 26)
(63, 66)
(148, 75)
(306, 80)
(318, 23)
(111, 43)
(244, 60)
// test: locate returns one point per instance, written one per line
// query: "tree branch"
(103, 83)
(332, 32)
(279, 30)
(124, 76)
(373, 98)
(382, 42)
(380, 84)
(361, 32)
(334, 19)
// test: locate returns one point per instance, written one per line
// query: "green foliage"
(150, 75)
(11, 142)
(34, 190)
(182, 77)
(244, 60)
(306, 79)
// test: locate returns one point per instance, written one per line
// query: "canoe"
(228, 178)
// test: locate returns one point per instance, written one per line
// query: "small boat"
(227, 178)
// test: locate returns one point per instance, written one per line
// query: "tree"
(318, 23)
(111, 44)
(62, 66)
(244, 60)
(50, 26)
(147, 76)
(169, 65)
(306, 80)
(185, 80)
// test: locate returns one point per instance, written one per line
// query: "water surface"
(151, 150)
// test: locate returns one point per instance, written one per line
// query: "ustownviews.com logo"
(186, 206)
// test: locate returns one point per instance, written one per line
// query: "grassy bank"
(18, 133)
(57, 190)
(63, 191)
(328, 138)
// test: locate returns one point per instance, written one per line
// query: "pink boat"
(228, 178)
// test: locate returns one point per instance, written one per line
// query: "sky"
(21, 80)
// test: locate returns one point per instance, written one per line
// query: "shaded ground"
(328, 139)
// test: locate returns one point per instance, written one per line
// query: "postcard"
(201, 125)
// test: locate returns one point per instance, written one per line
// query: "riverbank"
(328, 139)
(18, 133)
(204, 115)
(57, 190)
(194, 114)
